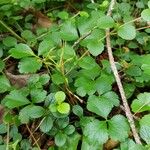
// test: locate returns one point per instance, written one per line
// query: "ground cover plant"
(74, 75)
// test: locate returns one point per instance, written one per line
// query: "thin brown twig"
(146, 27)
(118, 80)
(33, 137)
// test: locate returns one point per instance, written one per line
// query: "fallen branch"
(118, 80)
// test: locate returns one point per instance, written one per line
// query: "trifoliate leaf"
(127, 32)
(4, 84)
(63, 108)
(60, 139)
(99, 105)
(95, 47)
(29, 65)
(142, 103)
(47, 124)
(146, 14)
(38, 95)
(114, 128)
(15, 99)
(21, 50)
(106, 22)
(9, 41)
(96, 132)
(60, 97)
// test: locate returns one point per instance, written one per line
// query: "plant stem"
(118, 80)
(12, 32)
(7, 142)
(33, 137)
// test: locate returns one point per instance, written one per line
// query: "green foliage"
(56, 78)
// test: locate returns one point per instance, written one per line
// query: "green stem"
(7, 141)
(12, 32)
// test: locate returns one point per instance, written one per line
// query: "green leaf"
(63, 15)
(96, 132)
(78, 110)
(86, 145)
(146, 14)
(145, 121)
(47, 124)
(112, 97)
(87, 63)
(99, 105)
(71, 143)
(114, 128)
(69, 129)
(4, 84)
(44, 78)
(60, 139)
(127, 32)
(3, 128)
(63, 108)
(63, 122)
(68, 31)
(15, 99)
(30, 112)
(2, 65)
(103, 83)
(95, 47)
(36, 111)
(145, 133)
(145, 128)
(38, 95)
(130, 145)
(142, 103)
(148, 4)
(44, 47)
(60, 97)
(57, 78)
(21, 50)
(24, 114)
(106, 22)
(132, 69)
(85, 86)
(29, 65)
(9, 41)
